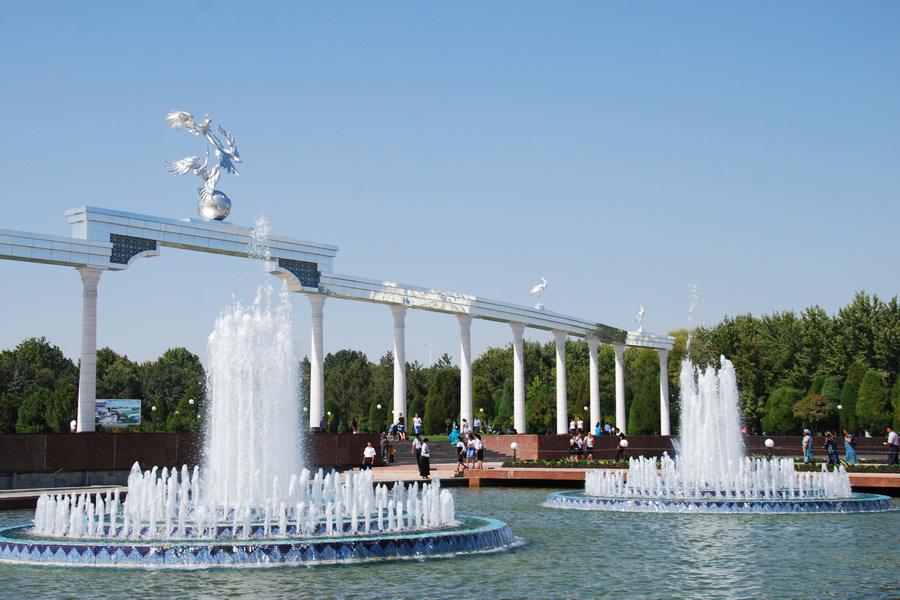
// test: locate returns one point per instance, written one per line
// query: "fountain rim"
(580, 500)
(467, 526)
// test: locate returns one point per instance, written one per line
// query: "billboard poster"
(118, 413)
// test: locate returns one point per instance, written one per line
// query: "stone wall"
(54, 460)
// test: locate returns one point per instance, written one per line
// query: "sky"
(625, 151)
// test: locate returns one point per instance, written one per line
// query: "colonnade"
(317, 389)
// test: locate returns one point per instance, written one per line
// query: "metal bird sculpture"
(537, 290)
(212, 204)
(639, 318)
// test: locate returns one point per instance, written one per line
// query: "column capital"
(592, 342)
(317, 302)
(619, 349)
(663, 353)
(518, 329)
(399, 311)
(465, 321)
(90, 276)
(560, 336)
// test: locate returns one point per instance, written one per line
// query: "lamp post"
(514, 446)
(770, 443)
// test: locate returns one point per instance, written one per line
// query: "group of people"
(831, 448)
(469, 450)
(581, 446)
(850, 456)
(576, 426)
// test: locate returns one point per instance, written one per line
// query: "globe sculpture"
(711, 474)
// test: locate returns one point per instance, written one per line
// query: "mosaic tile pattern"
(854, 504)
(476, 535)
(126, 247)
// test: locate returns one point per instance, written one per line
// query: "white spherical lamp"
(770, 443)
(624, 443)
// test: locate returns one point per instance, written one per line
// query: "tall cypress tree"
(849, 393)
(873, 406)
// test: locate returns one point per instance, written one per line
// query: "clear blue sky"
(622, 150)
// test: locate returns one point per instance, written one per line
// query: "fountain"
(711, 473)
(250, 504)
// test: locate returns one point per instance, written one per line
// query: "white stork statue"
(537, 290)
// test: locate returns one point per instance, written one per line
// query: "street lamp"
(514, 446)
(191, 401)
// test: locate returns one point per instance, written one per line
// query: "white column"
(665, 427)
(465, 368)
(593, 345)
(400, 363)
(518, 377)
(317, 361)
(562, 404)
(619, 350)
(87, 373)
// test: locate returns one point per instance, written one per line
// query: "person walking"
(369, 455)
(401, 426)
(425, 460)
(620, 449)
(476, 426)
(893, 444)
(417, 449)
(807, 446)
(831, 449)
(471, 451)
(589, 446)
(479, 451)
(460, 454)
(850, 449)
(465, 429)
(417, 424)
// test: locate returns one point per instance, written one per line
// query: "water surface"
(569, 554)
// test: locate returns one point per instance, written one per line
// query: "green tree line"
(793, 372)
(39, 388)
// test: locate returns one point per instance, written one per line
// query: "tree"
(442, 402)
(418, 381)
(165, 382)
(895, 402)
(348, 378)
(117, 377)
(540, 407)
(643, 419)
(831, 389)
(873, 406)
(504, 399)
(849, 392)
(779, 417)
(814, 411)
(482, 402)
